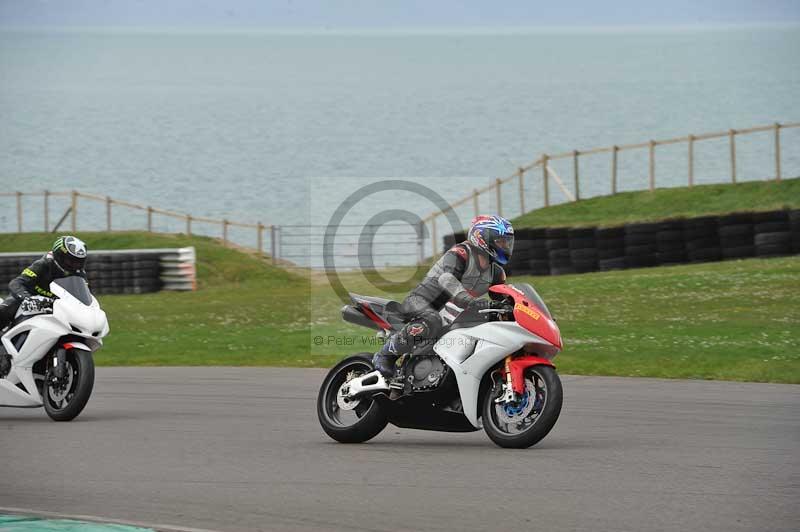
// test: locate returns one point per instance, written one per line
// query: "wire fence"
(493, 194)
(385, 245)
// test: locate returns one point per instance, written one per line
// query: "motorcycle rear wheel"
(507, 428)
(367, 420)
(65, 400)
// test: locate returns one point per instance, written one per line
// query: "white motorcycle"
(492, 370)
(51, 344)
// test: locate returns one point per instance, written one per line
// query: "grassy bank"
(245, 311)
(666, 203)
(734, 320)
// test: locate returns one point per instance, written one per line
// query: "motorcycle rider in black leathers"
(67, 258)
(462, 275)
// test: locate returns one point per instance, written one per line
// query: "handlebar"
(504, 310)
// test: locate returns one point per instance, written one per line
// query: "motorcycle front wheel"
(343, 420)
(524, 423)
(65, 397)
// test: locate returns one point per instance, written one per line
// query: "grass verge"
(736, 320)
(666, 203)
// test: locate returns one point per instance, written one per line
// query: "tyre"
(772, 227)
(617, 263)
(349, 421)
(522, 245)
(562, 270)
(736, 242)
(705, 255)
(539, 267)
(773, 239)
(643, 228)
(773, 250)
(702, 243)
(736, 218)
(641, 261)
(581, 243)
(66, 397)
(734, 231)
(671, 257)
(770, 216)
(559, 233)
(669, 236)
(640, 239)
(609, 233)
(556, 243)
(671, 247)
(583, 254)
(740, 252)
(580, 232)
(610, 253)
(640, 251)
(701, 227)
(559, 255)
(525, 423)
(584, 266)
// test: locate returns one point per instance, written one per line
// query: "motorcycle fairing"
(472, 352)
(529, 315)
(43, 332)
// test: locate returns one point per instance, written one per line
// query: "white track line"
(98, 519)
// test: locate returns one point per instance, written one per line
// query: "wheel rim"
(61, 391)
(337, 408)
(520, 416)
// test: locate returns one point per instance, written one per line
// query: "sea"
(292, 128)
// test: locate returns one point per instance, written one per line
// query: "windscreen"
(534, 296)
(76, 286)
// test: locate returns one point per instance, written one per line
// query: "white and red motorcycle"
(51, 344)
(493, 371)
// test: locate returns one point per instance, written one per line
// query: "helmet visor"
(505, 244)
(71, 263)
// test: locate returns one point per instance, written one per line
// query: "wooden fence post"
(273, 247)
(475, 201)
(575, 154)
(260, 230)
(46, 210)
(777, 151)
(19, 211)
(108, 213)
(691, 160)
(149, 219)
(188, 224)
(498, 183)
(225, 233)
(521, 173)
(614, 150)
(544, 179)
(74, 210)
(652, 165)
(732, 137)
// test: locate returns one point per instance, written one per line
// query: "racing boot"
(384, 361)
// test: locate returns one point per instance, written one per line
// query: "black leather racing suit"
(34, 280)
(464, 272)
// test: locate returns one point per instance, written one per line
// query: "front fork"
(514, 375)
(60, 363)
(508, 395)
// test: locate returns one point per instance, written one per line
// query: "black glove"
(464, 300)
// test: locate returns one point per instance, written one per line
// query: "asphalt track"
(240, 449)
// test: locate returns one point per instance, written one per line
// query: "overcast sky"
(396, 14)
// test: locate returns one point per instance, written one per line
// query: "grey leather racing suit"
(462, 274)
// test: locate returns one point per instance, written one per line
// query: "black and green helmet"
(69, 252)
